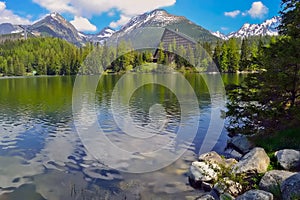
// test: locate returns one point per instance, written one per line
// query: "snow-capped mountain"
(156, 18)
(161, 18)
(56, 26)
(267, 28)
(106, 33)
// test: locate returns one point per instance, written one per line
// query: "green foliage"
(269, 101)
(278, 140)
(224, 63)
(233, 55)
(245, 55)
(217, 55)
(226, 178)
(52, 56)
(290, 18)
(46, 56)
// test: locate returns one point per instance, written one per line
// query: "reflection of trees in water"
(46, 98)
(149, 95)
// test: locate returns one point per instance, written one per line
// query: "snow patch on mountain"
(106, 33)
(103, 35)
(267, 28)
(219, 35)
(157, 18)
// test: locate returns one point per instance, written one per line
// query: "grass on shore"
(286, 139)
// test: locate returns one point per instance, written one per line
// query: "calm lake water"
(42, 156)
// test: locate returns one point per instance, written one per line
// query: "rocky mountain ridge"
(55, 25)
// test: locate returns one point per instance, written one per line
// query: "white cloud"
(61, 6)
(2, 6)
(90, 8)
(258, 10)
(232, 13)
(123, 20)
(224, 28)
(7, 16)
(83, 24)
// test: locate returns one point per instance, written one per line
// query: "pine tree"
(217, 55)
(233, 55)
(245, 55)
(224, 63)
(271, 98)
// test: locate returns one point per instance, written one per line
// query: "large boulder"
(254, 162)
(240, 143)
(255, 195)
(272, 180)
(201, 171)
(289, 159)
(290, 188)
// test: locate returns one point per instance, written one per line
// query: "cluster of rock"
(208, 174)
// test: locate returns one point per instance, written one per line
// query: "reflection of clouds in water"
(57, 149)
(14, 169)
(60, 150)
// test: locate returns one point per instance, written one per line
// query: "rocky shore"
(247, 173)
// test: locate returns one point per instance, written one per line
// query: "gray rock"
(289, 159)
(211, 157)
(230, 162)
(290, 188)
(231, 153)
(201, 171)
(206, 197)
(228, 186)
(214, 158)
(240, 143)
(272, 180)
(256, 161)
(256, 195)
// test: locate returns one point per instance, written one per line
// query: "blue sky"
(92, 15)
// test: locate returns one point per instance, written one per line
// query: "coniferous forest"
(53, 56)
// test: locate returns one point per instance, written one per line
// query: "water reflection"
(42, 157)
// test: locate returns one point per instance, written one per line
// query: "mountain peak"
(159, 12)
(106, 32)
(155, 18)
(54, 14)
(56, 25)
